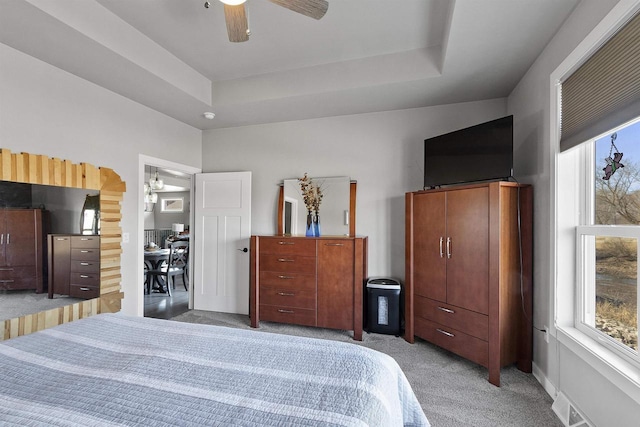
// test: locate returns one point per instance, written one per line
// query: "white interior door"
(222, 232)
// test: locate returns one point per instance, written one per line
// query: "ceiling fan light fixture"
(233, 2)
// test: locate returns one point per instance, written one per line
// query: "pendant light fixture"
(156, 183)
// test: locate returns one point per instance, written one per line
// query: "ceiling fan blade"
(237, 24)
(312, 8)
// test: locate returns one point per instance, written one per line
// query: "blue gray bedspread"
(113, 369)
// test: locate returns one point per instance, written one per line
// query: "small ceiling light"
(209, 115)
(155, 183)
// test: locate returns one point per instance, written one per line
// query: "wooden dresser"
(468, 272)
(312, 281)
(74, 265)
(22, 248)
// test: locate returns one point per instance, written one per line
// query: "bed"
(113, 369)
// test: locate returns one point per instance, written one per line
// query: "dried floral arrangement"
(311, 193)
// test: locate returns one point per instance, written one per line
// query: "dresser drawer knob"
(286, 243)
(285, 311)
(286, 277)
(446, 310)
(449, 334)
(287, 294)
(285, 260)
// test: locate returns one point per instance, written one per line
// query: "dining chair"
(177, 264)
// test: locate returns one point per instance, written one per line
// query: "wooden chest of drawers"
(312, 281)
(74, 265)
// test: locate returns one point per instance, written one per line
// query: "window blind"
(604, 92)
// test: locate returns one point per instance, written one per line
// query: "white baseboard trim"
(544, 381)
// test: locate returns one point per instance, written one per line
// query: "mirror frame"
(353, 186)
(39, 169)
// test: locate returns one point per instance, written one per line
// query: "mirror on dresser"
(337, 209)
(59, 211)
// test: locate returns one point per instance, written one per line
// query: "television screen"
(477, 153)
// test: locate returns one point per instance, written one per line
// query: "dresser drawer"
(85, 279)
(85, 266)
(86, 254)
(298, 316)
(288, 245)
(84, 291)
(288, 297)
(85, 242)
(464, 345)
(288, 263)
(288, 280)
(469, 322)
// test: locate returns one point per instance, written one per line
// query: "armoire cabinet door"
(429, 236)
(468, 252)
(19, 237)
(335, 283)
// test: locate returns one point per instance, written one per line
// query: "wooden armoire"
(468, 278)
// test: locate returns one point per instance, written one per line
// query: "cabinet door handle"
(285, 277)
(285, 243)
(285, 260)
(286, 311)
(8, 238)
(448, 247)
(446, 310)
(449, 334)
(334, 244)
(1, 239)
(287, 294)
(441, 251)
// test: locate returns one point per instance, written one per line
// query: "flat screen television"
(478, 153)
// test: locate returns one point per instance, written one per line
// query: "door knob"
(245, 250)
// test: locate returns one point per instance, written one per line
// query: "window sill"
(620, 372)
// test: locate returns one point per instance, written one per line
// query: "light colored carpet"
(451, 390)
(19, 303)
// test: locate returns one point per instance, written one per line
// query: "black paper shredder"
(383, 306)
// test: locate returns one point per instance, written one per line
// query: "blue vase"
(310, 226)
(316, 224)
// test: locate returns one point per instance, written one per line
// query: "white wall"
(383, 152)
(556, 366)
(44, 110)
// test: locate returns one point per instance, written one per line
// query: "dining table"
(153, 259)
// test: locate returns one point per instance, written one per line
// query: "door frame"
(144, 160)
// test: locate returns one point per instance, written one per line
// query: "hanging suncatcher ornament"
(613, 163)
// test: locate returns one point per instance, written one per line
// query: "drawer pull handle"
(449, 334)
(84, 263)
(6, 269)
(334, 244)
(85, 252)
(286, 243)
(61, 239)
(286, 311)
(86, 238)
(286, 277)
(82, 276)
(286, 294)
(6, 281)
(285, 260)
(85, 289)
(446, 310)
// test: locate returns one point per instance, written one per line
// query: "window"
(607, 242)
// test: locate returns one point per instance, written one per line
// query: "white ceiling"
(363, 56)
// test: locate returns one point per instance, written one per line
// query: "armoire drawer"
(288, 263)
(85, 279)
(289, 245)
(464, 345)
(469, 322)
(288, 297)
(298, 316)
(85, 242)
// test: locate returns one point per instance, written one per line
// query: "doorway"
(165, 215)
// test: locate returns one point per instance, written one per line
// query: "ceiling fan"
(235, 14)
